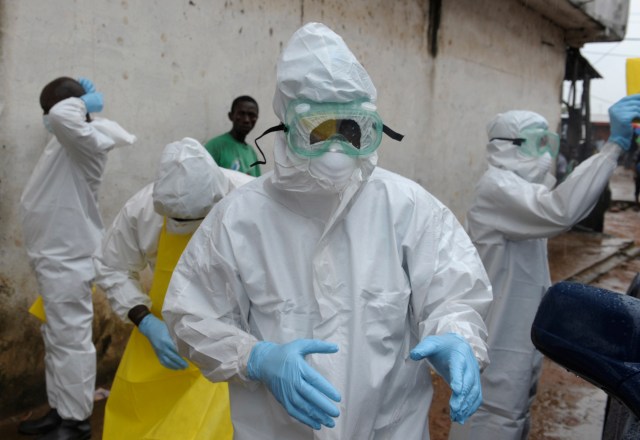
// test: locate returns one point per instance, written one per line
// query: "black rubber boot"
(42, 425)
(69, 430)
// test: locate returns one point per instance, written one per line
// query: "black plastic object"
(634, 287)
(594, 333)
(619, 422)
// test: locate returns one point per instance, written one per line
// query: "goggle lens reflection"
(339, 129)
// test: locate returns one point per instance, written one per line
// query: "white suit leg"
(70, 356)
(502, 415)
(510, 381)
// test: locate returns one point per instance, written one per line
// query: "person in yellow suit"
(156, 394)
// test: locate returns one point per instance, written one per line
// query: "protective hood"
(503, 153)
(317, 65)
(188, 182)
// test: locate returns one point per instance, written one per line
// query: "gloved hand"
(156, 332)
(452, 357)
(87, 85)
(621, 115)
(301, 390)
(94, 102)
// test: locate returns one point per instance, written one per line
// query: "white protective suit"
(374, 268)
(509, 222)
(132, 240)
(62, 228)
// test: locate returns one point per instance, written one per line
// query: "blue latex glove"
(621, 114)
(452, 357)
(301, 390)
(156, 332)
(94, 102)
(87, 85)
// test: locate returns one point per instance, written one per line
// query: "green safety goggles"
(313, 128)
(535, 142)
(353, 128)
(538, 141)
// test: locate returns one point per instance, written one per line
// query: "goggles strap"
(280, 127)
(516, 141)
(392, 134)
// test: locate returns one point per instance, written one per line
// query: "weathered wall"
(170, 69)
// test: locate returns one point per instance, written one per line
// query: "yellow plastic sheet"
(633, 76)
(148, 401)
(37, 308)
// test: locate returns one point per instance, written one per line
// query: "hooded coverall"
(373, 266)
(62, 227)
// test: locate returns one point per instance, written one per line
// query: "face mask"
(531, 169)
(47, 123)
(544, 163)
(335, 167)
(535, 170)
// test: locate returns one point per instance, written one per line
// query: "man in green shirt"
(230, 150)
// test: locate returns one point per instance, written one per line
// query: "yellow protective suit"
(149, 401)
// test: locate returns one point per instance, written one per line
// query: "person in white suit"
(317, 289)
(517, 206)
(63, 227)
(152, 228)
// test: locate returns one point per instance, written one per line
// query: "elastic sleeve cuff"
(137, 313)
(612, 150)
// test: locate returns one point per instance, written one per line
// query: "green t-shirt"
(232, 154)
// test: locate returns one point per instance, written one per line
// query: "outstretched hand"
(452, 357)
(301, 390)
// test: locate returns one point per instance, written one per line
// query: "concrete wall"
(170, 69)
